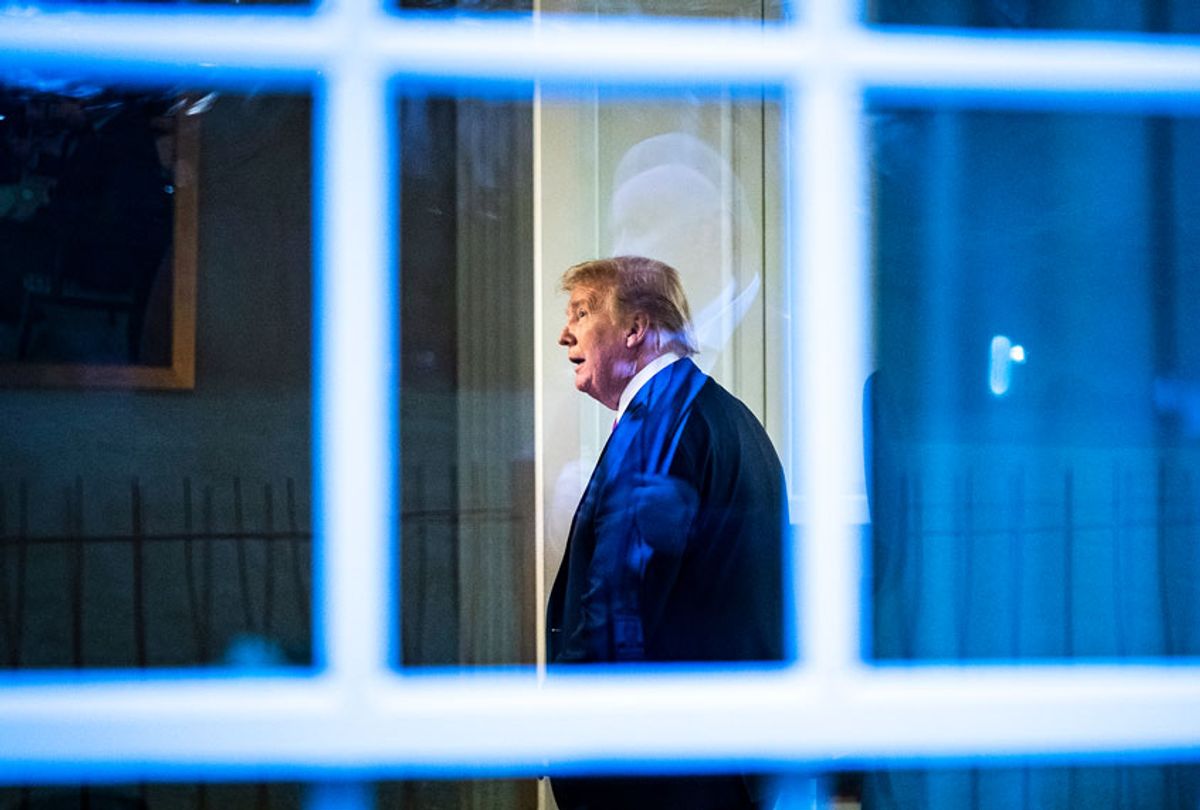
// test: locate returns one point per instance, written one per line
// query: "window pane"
(154, 408)
(690, 178)
(1170, 787)
(719, 9)
(494, 794)
(725, 9)
(466, 394)
(276, 796)
(696, 181)
(1151, 16)
(1034, 411)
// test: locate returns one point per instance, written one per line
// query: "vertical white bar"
(829, 328)
(829, 17)
(356, 372)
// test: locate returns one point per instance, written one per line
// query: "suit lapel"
(648, 433)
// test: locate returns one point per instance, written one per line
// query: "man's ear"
(637, 331)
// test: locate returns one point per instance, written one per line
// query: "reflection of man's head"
(622, 313)
(677, 198)
(672, 199)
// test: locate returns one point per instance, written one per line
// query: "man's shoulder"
(710, 408)
(718, 405)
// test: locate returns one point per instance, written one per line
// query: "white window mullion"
(356, 389)
(828, 324)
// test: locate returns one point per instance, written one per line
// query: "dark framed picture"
(97, 237)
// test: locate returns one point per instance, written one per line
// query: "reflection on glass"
(1034, 454)
(149, 528)
(97, 224)
(1000, 370)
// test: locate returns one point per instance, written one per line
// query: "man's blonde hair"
(629, 284)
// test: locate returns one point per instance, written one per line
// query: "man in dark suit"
(675, 552)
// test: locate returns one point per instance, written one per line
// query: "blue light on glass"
(1004, 356)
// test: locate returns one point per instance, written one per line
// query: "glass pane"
(154, 383)
(693, 791)
(494, 794)
(1169, 787)
(696, 182)
(724, 9)
(274, 796)
(1150, 16)
(693, 179)
(466, 394)
(1034, 411)
(703, 791)
(745, 10)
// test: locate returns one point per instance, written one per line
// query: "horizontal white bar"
(195, 44)
(497, 723)
(1067, 63)
(562, 48)
(634, 50)
(501, 47)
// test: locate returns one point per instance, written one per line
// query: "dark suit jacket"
(687, 570)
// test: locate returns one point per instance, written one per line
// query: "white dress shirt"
(641, 378)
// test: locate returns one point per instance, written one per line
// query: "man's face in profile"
(596, 345)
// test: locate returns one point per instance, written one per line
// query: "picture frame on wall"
(98, 198)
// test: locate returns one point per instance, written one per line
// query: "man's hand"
(664, 508)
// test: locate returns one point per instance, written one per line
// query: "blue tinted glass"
(1035, 411)
(1174, 787)
(1150, 16)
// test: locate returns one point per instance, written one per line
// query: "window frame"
(355, 717)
